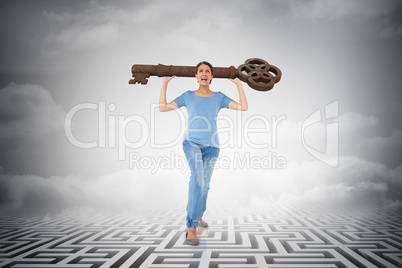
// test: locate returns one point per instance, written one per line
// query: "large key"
(257, 73)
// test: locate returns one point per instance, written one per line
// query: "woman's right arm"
(163, 105)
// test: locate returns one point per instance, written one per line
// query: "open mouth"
(204, 80)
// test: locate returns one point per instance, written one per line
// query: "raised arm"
(242, 105)
(163, 105)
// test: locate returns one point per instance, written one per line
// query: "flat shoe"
(191, 242)
(204, 224)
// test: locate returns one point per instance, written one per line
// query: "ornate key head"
(258, 74)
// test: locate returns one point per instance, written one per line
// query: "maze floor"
(287, 236)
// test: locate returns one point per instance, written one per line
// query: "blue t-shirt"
(202, 115)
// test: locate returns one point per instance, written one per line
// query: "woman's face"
(204, 75)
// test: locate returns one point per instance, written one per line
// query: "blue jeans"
(201, 160)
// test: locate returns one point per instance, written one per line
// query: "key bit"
(140, 78)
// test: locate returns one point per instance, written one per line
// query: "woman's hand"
(242, 105)
(163, 105)
(167, 79)
(237, 81)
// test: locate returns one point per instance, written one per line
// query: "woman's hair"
(206, 63)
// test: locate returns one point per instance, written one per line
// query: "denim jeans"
(201, 160)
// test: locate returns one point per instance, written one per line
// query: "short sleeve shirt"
(202, 115)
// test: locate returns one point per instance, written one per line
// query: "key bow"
(258, 74)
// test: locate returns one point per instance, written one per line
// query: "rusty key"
(257, 73)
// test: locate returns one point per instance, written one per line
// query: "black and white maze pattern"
(81, 238)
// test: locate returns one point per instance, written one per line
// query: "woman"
(201, 143)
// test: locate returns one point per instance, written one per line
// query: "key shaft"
(161, 70)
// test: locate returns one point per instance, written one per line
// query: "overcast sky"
(57, 56)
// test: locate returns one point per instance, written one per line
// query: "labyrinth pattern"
(285, 237)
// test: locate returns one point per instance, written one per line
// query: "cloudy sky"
(72, 128)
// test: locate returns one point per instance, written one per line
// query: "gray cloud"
(394, 140)
(120, 191)
(331, 10)
(382, 149)
(391, 32)
(94, 26)
(354, 183)
(28, 111)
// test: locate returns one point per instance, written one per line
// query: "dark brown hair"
(206, 63)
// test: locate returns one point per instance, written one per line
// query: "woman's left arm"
(242, 105)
